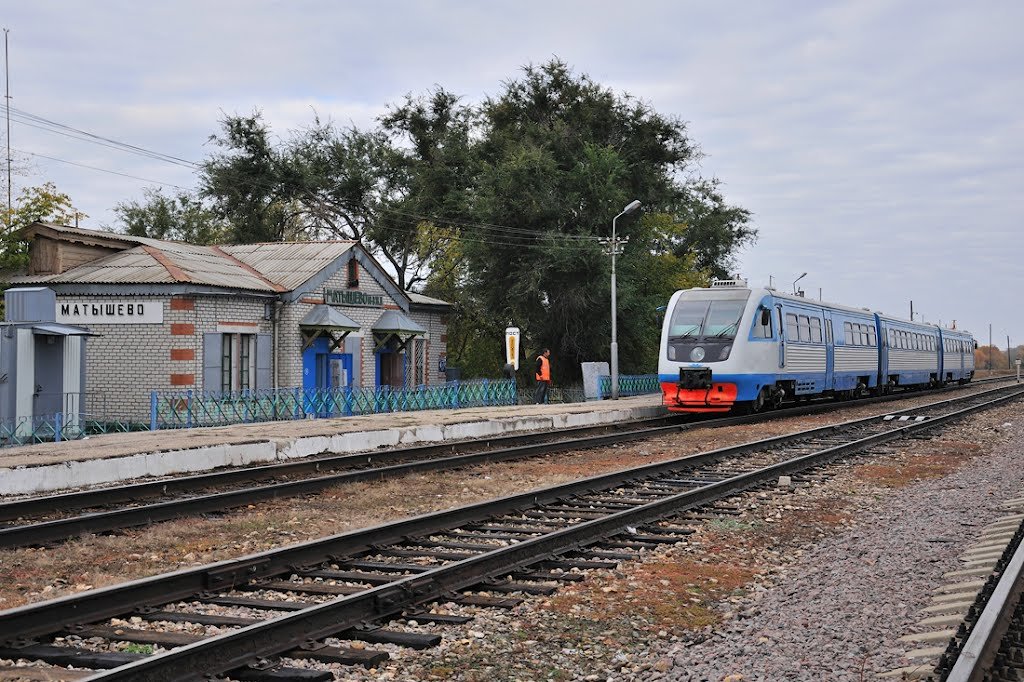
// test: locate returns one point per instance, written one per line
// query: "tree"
(177, 218)
(333, 183)
(560, 156)
(44, 203)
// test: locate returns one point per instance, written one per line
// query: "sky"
(878, 144)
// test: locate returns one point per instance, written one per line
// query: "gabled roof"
(324, 316)
(394, 322)
(269, 267)
(273, 267)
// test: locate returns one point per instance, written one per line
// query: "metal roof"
(393, 321)
(425, 300)
(57, 329)
(270, 267)
(323, 316)
(289, 264)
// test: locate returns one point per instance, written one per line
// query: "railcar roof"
(864, 312)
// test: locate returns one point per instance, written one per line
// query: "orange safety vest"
(545, 369)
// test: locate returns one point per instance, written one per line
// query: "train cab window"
(762, 331)
(815, 330)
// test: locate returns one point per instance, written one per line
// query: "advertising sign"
(512, 346)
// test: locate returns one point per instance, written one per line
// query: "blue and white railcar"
(957, 356)
(729, 346)
(911, 353)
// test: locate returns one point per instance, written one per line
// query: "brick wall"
(128, 361)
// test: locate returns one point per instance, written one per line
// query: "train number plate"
(695, 378)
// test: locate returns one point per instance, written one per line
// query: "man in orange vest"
(543, 377)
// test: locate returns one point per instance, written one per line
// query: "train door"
(829, 352)
(782, 336)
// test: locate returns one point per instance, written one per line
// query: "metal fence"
(188, 409)
(191, 409)
(629, 385)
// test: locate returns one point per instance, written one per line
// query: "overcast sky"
(879, 144)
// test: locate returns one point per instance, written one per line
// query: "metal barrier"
(629, 384)
(60, 426)
(191, 409)
(188, 409)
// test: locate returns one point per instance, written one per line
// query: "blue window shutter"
(264, 360)
(212, 349)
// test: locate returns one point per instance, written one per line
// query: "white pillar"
(25, 382)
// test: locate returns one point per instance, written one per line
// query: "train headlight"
(671, 353)
(724, 355)
(697, 354)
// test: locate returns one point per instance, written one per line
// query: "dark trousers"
(541, 394)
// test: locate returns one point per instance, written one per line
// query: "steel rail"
(48, 617)
(983, 643)
(63, 529)
(235, 649)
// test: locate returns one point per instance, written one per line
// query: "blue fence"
(60, 426)
(190, 409)
(629, 384)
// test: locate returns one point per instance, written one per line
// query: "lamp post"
(797, 280)
(630, 208)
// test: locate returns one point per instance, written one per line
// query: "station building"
(168, 316)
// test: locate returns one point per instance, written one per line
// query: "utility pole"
(911, 311)
(1009, 360)
(7, 99)
(990, 346)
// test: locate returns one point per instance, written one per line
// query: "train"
(729, 347)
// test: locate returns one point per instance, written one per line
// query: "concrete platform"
(110, 458)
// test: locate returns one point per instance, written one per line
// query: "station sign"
(512, 347)
(355, 298)
(109, 311)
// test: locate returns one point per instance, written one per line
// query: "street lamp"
(630, 208)
(797, 280)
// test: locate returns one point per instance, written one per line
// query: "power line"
(104, 170)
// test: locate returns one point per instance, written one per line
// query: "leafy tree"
(177, 218)
(44, 203)
(559, 157)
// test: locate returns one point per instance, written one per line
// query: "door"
(390, 369)
(830, 350)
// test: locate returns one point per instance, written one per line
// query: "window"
(872, 339)
(815, 330)
(848, 333)
(238, 362)
(803, 328)
(353, 273)
(762, 331)
(791, 327)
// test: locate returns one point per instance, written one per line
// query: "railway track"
(47, 519)
(343, 587)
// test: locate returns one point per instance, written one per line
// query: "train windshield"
(705, 319)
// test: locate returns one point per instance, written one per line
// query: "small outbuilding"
(168, 316)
